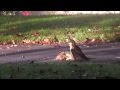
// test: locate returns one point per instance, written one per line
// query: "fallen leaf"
(8, 47)
(13, 41)
(33, 42)
(19, 35)
(11, 45)
(26, 41)
(28, 46)
(15, 45)
(47, 41)
(117, 33)
(35, 33)
(4, 43)
(86, 46)
(89, 29)
(56, 44)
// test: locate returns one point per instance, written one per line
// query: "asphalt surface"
(100, 53)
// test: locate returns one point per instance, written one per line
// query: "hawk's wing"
(79, 52)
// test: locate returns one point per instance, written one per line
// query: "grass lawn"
(82, 26)
(106, 27)
(59, 70)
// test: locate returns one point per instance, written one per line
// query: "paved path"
(102, 53)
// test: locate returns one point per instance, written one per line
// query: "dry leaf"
(26, 41)
(5, 43)
(35, 33)
(19, 35)
(13, 42)
(15, 45)
(56, 44)
(33, 42)
(117, 33)
(8, 47)
(47, 41)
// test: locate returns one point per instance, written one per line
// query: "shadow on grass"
(27, 24)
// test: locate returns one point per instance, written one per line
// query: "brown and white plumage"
(74, 54)
(75, 50)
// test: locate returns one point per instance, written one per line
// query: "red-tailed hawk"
(75, 51)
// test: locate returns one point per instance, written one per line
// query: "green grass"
(58, 70)
(48, 26)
